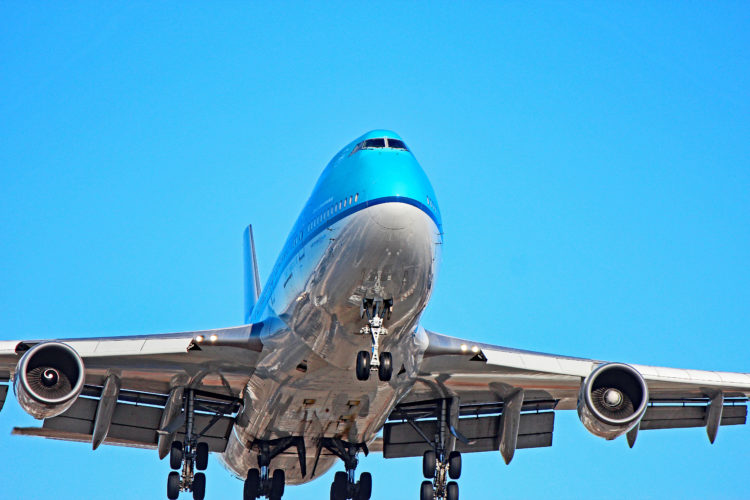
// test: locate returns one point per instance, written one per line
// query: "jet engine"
(612, 400)
(48, 379)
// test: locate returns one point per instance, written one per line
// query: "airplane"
(332, 362)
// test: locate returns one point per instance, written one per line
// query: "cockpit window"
(374, 143)
(396, 144)
(379, 143)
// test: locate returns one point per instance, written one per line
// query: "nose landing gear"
(376, 310)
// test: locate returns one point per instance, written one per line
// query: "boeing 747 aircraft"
(332, 362)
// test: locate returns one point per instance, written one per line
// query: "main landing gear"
(438, 464)
(190, 455)
(260, 482)
(376, 310)
(437, 469)
(344, 486)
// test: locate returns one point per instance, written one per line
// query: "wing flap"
(402, 439)
(133, 424)
(681, 417)
(75, 437)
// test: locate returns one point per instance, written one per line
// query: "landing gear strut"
(377, 311)
(259, 482)
(190, 455)
(438, 465)
(344, 486)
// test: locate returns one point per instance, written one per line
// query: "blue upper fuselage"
(358, 176)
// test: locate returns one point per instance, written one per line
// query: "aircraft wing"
(134, 387)
(497, 398)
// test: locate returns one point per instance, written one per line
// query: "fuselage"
(371, 229)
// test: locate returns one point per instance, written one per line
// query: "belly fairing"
(305, 384)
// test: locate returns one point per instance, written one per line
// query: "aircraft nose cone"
(391, 215)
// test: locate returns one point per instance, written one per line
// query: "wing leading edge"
(496, 398)
(135, 388)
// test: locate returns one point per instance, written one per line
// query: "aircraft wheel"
(452, 491)
(363, 365)
(386, 367)
(454, 465)
(201, 456)
(175, 455)
(277, 484)
(365, 486)
(173, 485)
(199, 486)
(252, 485)
(338, 488)
(427, 492)
(429, 463)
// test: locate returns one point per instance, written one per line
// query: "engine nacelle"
(48, 379)
(612, 400)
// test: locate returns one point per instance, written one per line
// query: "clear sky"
(591, 160)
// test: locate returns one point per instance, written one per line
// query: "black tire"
(201, 456)
(252, 485)
(365, 486)
(199, 486)
(427, 491)
(429, 464)
(338, 489)
(175, 455)
(452, 491)
(173, 485)
(385, 370)
(454, 465)
(363, 365)
(277, 484)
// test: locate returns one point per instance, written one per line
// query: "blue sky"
(591, 160)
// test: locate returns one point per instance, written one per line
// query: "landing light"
(475, 349)
(199, 338)
(464, 348)
(213, 338)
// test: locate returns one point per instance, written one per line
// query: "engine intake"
(612, 400)
(48, 379)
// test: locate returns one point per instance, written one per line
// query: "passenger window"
(350, 200)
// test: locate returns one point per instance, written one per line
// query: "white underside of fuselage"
(305, 384)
